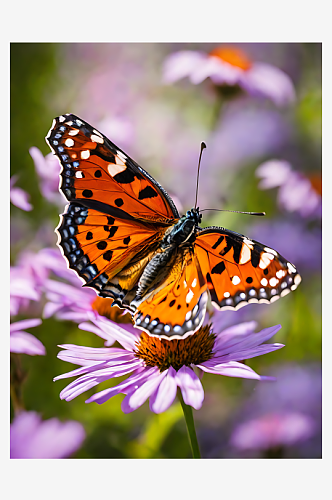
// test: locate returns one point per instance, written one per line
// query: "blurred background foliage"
(118, 88)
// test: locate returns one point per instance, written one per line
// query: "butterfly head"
(194, 215)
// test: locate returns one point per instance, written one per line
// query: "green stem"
(188, 416)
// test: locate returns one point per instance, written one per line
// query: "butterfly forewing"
(98, 174)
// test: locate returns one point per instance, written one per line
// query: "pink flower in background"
(157, 367)
(23, 342)
(296, 192)
(48, 170)
(22, 290)
(230, 66)
(32, 437)
(273, 430)
(18, 197)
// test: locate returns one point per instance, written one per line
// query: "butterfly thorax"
(182, 234)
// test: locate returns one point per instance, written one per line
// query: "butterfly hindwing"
(98, 246)
(239, 271)
(179, 306)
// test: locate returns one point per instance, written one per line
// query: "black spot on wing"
(172, 302)
(125, 177)
(126, 240)
(108, 255)
(249, 279)
(255, 256)
(219, 268)
(101, 245)
(89, 235)
(119, 202)
(237, 246)
(98, 173)
(217, 243)
(87, 193)
(147, 192)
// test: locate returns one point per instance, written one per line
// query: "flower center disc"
(163, 353)
(232, 56)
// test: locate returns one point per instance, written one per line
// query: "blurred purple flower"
(273, 430)
(296, 193)
(48, 170)
(288, 413)
(301, 245)
(24, 342)
(18, 197)
(68, 302)
(22, 290)
(32, 437)
(159, 366)
(230, 66)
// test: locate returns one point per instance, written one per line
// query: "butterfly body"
(123, 235)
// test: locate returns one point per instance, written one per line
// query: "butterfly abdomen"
(156, 270)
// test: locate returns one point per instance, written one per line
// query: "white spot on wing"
(69, 123)
(264, 281)
(79, 174)
(270, 250)
(273, 281)
(281, 273)
(96, 132)
(114, 169)
(97, 138)
(75, 131)
(297, 279)
(61, 119)
(245, 254)
(249, 243)
(285, 292)
(122, 156)
(194, 283)
(85, 154)
(291, 268)
(235, 280)
(189, 296)
(227, 294)
(265, 260)
(69, 142)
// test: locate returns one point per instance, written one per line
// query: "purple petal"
(244, 354)
(30, 437)
(273, 173)
(234, 369)
(191, 387)
(164, 395)
(26, 323)
(181, 64)
(138, 396)
(239, 338)
(268, 81)
(134, 380)
(20, 198)
(25, 343)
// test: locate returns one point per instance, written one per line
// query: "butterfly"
(123, 235)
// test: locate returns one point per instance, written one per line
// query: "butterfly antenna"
(203, 146)
(260, 214)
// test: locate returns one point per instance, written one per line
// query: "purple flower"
(24, 342)
(32, 437)
(157, 366)
(230, 66)
(296, 193)
(48, 170)
(18, 197)
(273, 430)
(295, 401)
(22, 290)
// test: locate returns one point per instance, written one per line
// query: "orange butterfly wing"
(179, 306)
(239, 271)
(99, 175)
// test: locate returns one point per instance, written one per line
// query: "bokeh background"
(124, 90)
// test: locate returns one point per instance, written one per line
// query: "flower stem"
(188, 416)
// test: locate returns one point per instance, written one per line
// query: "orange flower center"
(163, 353)
(103, 306)
(233, 56)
